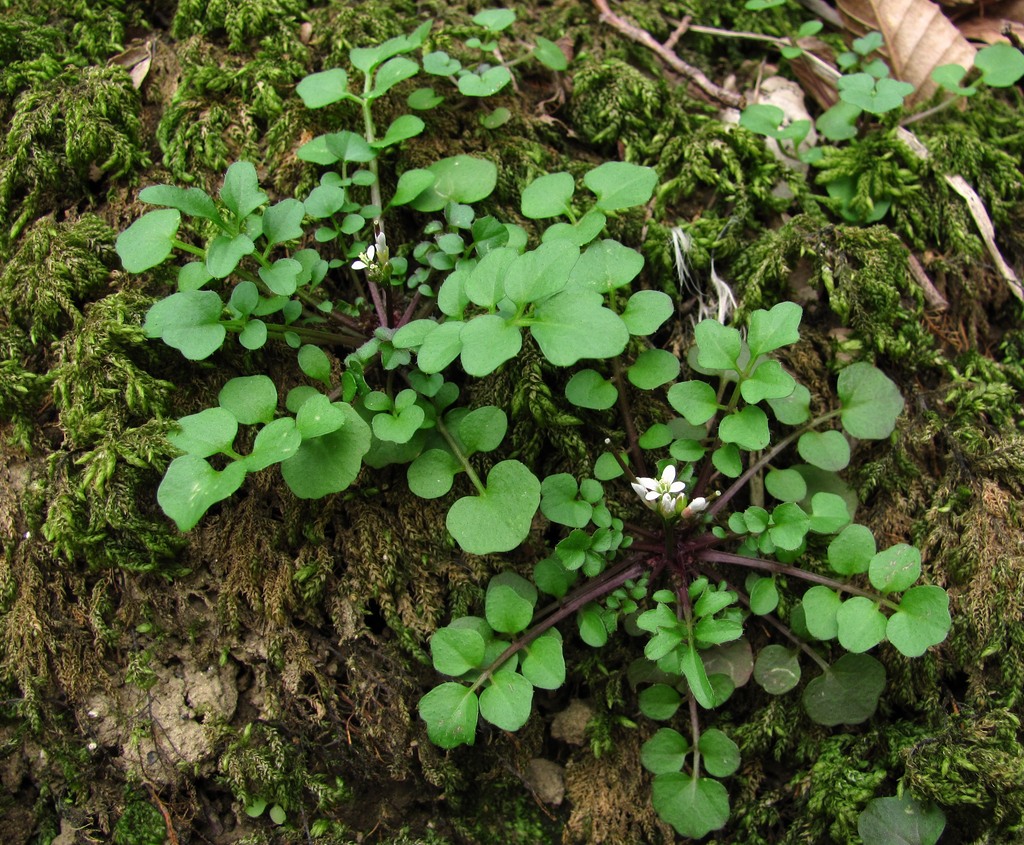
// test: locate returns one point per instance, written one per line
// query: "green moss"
(140, 823)
(242, 21)
(862, 274)
(66, 134)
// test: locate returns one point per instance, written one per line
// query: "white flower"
(668, 496)
(650, 489)
(376, 254)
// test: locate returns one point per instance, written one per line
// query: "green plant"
(680, 587)
(377, 385)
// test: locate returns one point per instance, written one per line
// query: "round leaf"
(900, 821)
(850, 553)
(895, 569)
(861, 625)
(149, 240)
(921, 621)
(509, 603)
(870, 402)
(544, 665)
(321, 89)
(329, 463)
(653, 368)
(250, 399)
(659, 702)
(828, 450)
(693, 806)
(499, 519)
(646, 311)
(190, 486)
(777, 669)
(462, 179)
(720, 754)
(695, 400)
(665, 751)
(548, 196)
(507, 700)
(588, 389)
(619, 185)
(847, 693)
(456, 650)
(450, 711)
(820, 605)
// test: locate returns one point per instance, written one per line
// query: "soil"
(187, 688)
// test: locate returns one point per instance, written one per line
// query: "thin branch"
(696, 76)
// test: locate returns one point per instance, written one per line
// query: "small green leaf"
(574, 324)
(876, 96)
(313, 361)
(762, 119)
(659, 702)
(720, 755)
(250, 399)
(847, 693)
(549, 54)
(768, 381)
(895, 569)
(646, 311)
(321, 89)
(209, 432)
(348, 146)
(1001, 65)
(665, 751)
(828, 450)
(922, 620)
(149, 240)
(620, 185)
(450, 711)
(499, 519)
(499, 117)
(509, 603)
(870, 402)
(548, 196)
(241, 190)
(589, 389)
(771, 330)
(192, 201)
(283, 221)
(696, 676)
(852, 550)
(402, 128)
(389, 74)
(748, 429)
(718, 346)
(456, 650)
(794, 409)
(191, 486)
(726, 459)
(560, 503)
(861, 624)
(821, 604)
(411, 184)
(319, 416)
(282, 277)
(484, 84)
(328, 463)
(786, 485)
(277, 814)
(276, 441)
(188, 321)
(424, 99)
(839, 123)
(653, 368)
(432, 474)
(693, 806)
(764, 596)
(544, 665)
(461, 178)
(482, 429)
(507, 700)
(488, 341)
(224, 254)
(900, 821)
(439, 63)
(695, 400)
(605, 266)
(777, 669)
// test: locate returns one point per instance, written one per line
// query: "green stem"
(184, 247)
(457, 451)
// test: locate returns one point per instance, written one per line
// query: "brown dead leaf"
(918, 38)
(136, 60)
(992, 25)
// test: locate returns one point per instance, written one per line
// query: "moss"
(67, 134)
(863, 277)
(242, 21)
(224, 106)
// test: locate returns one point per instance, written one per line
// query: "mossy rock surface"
(157, 686)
